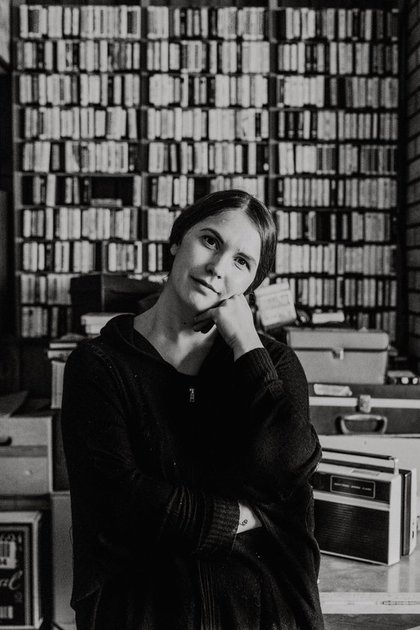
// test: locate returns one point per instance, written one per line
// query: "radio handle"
(382, 422)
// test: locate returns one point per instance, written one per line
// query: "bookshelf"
(124, 114)
(335, 156)
(4, 36)
(412, 132)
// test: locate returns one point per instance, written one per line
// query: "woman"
(189, 448)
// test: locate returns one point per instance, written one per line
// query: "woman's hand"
(233, 319)
(247, 519)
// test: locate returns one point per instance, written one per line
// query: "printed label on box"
(12, 578)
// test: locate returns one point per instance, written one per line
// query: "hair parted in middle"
(234, 199)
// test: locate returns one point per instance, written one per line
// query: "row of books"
(84, 256)
(344, 92)
(174, 190)
(124, 22)
(379, 193)
(370, 293)
(137, 257)
(106, 156)
(213, 124)
(345, 159)
(63, 55)
(60, 123)
(79, 89)
(94, 223)
(89, 22)
(57, 190)
(340, 292)
(98, 21)
(116, 122)
(218, 90)
(210, 56)
(207, 22)
(45, 289)
(60, 256)
(43, 321)
(334, 57)
(335, 259)
(247, 90)
(213, 56)
(337, 23)
(332, 226)
(336, 124)
(208, 157)
(366, 259)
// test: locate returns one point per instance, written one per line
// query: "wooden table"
(366, 596)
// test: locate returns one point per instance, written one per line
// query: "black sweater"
(157, 462)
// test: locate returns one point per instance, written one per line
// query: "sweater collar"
(120, 332)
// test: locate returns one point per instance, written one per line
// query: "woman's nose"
(215, 267)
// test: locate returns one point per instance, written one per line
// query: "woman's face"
(216, 259)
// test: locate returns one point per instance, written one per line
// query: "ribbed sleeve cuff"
(219, 535)
(255, 367)
(205, 523)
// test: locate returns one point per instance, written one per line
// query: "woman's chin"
(201, 303)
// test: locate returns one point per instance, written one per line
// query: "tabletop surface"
(357, 594)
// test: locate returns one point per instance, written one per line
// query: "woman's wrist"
(247, 519)
(242, 346)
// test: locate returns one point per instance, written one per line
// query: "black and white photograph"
(209, 315)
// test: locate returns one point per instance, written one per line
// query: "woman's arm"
(282, 448)
(109, 483)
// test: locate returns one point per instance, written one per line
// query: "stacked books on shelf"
(126, 113)
(58, 351)
(94, 322)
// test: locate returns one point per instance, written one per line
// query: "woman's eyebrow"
(217, 234)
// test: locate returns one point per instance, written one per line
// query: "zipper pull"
(192, 394)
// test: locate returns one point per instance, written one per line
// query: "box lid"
(363, 340)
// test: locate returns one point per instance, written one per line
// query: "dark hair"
(217, 202)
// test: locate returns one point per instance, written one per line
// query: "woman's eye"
(210, 240)
(242, 262)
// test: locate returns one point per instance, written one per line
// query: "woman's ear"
(173, 249)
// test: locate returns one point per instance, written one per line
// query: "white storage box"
(340, 355)
(25, 455)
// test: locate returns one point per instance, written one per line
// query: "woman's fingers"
(204, 326)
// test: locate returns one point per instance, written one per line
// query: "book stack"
(57, 352)
(94, 322)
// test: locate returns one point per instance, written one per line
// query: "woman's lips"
(205, 284)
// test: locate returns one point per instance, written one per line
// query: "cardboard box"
(340, 355)
(26, 454)
(20, 583)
